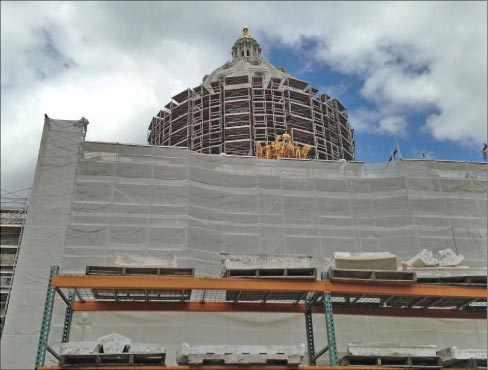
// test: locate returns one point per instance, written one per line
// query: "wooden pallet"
(101, 359)
(151, 271)
(466, 364)
(393, 361)
(455, 280)
(372, 277)
(273, 273)
(241, 359)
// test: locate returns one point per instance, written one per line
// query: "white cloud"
(393, 125)
(118, 63)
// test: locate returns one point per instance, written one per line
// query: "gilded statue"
(282, 147)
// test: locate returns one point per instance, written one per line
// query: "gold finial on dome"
(245, 32)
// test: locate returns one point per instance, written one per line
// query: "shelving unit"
(197, 294)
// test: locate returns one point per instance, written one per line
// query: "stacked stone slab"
(286, 266)
(365, 261)
(394, 355)
(240, 355)
(111, 348)
(463, 358)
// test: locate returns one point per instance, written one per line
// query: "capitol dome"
(248, 103)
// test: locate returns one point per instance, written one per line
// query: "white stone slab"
(259, 260)
(239, 354)
(391, 349)
(146, 348)
(440, 272)
(114, 343)
(77, 348)
(453, 353)
(128, 260)
(365, 261)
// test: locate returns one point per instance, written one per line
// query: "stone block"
(365, 261)
(128, 260)
(391, 349)
(114, 343)
(260, 260)
(77, 348)
(146, 348)
(453, 354)
(240, 355)
(447, 272)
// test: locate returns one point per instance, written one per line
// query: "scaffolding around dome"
(236, 112)
(248, 100)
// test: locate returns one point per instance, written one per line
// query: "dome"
(246, 60)
(249, 107)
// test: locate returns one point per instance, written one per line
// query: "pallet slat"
(114, 359)
(272, 273)
(393, 361)
(151, 271)
(372, 276)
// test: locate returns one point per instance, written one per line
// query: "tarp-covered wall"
(153, 200)
(157, 201)
(43, 239)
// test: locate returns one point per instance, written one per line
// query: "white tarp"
(155, 201)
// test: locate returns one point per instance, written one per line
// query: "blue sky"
(412, 72)
(371, 146)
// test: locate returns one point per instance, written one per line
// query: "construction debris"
(426, 258)
(447, 258)
(423, 259)
(365, 261)
(240, 355)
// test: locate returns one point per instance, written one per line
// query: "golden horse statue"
(282, 147)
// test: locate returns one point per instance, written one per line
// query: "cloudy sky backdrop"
(411, 72)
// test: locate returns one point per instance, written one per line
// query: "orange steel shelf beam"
(217, 367)
(188, 283)
(183, 283)
(273, 307)
(417, 290)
